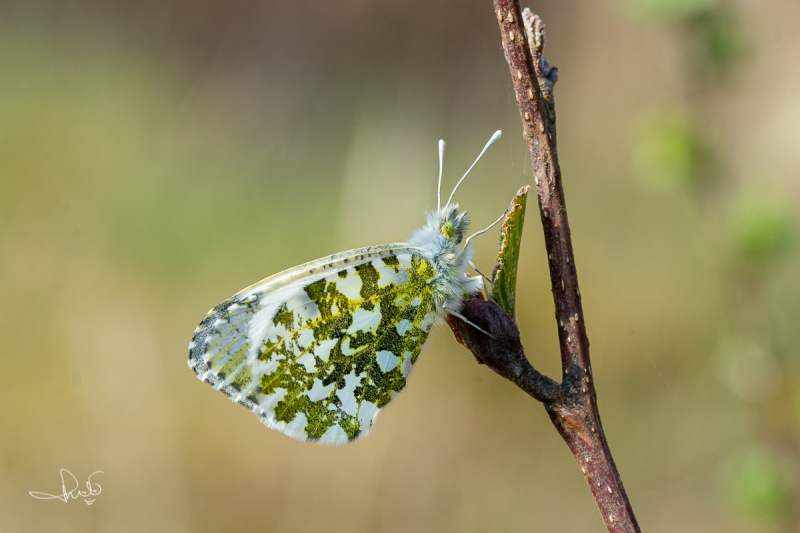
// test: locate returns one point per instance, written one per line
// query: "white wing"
(317, 350)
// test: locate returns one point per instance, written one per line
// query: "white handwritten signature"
(75, 493)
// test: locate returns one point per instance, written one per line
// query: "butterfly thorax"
(438, 241)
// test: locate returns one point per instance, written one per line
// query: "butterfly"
(316, 351)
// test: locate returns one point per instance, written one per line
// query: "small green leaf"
(504, 276)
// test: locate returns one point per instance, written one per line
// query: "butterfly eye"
(448, 229)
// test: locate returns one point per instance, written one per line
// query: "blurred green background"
(157, 157)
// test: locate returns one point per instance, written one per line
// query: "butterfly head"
(443, 232)
(450, 223)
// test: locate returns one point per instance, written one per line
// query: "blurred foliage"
(672, 153)
(759, 483)
(746, 367)
(717, 42)
(669, 154)
(667, 10)
(763, 227)
(713, 37)
(156, 157)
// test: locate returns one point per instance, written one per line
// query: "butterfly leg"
(485, 279)
(465, 319)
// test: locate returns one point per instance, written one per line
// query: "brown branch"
(502, 352)
(572, 405)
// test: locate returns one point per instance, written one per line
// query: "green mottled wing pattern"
(317, 351)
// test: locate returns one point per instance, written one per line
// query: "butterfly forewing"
(317, 351)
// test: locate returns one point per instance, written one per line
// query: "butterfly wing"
(316, 351)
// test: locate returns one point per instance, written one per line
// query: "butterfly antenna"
(496, 136)
(493, 224)
(439, 190)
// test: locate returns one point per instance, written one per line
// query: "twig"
(572, 404)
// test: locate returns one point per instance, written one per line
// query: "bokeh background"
(158, 156)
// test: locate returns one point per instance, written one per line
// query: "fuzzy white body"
(451, 284)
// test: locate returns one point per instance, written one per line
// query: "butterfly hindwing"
(317, 351)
